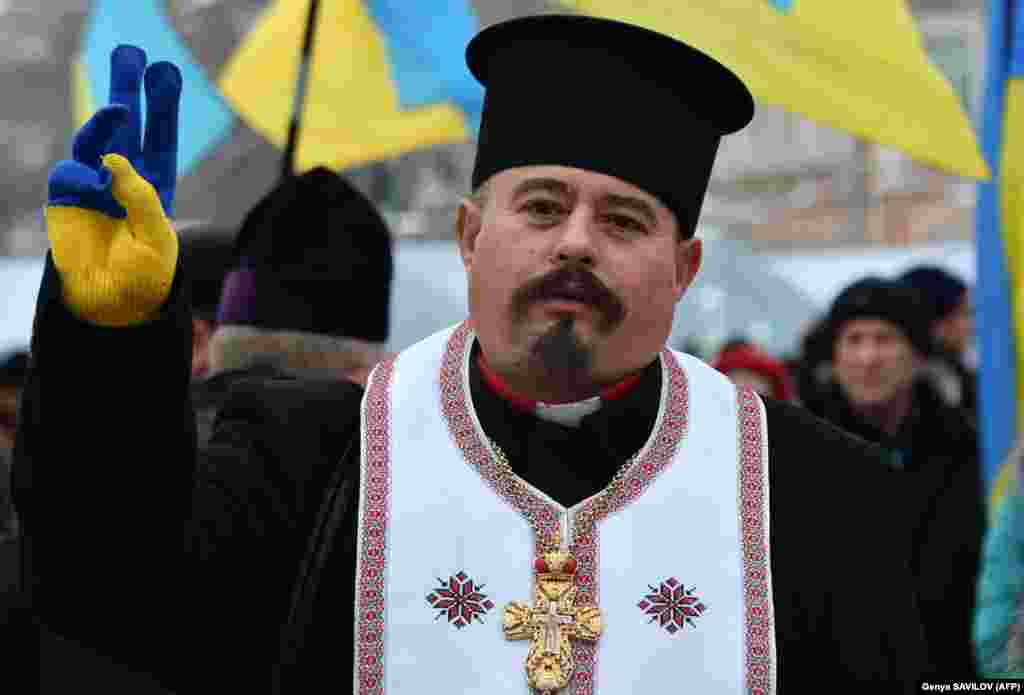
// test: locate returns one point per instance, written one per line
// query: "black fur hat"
(888, 300)
(313, 256)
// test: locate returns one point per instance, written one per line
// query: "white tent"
(771, 298)
(19, 288)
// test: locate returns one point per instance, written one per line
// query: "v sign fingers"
(108, 211)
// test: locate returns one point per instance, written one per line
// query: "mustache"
(575, 283)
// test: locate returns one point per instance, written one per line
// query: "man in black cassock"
(312, 239)
(401, 538)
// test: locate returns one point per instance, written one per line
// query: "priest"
(543, 498)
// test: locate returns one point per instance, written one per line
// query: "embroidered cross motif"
(551, 623)
(672, 605)
(460, 599)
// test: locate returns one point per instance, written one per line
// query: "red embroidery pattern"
(672, 605)
(585, 549)
(757, 596)
(637, 479)
(369, 652)
(460, 600)
(454, 395)
(674, 423)
(454, 405)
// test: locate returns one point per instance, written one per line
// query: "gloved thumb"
(135, 194)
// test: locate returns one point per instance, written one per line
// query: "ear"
(359, 375)
(202, 330)
(468, 223)
(689, 254)
(941, 329)
(918, 361)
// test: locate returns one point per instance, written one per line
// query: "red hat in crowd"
(752, 359)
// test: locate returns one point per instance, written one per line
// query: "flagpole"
(288, 166)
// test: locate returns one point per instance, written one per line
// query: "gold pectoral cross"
(551, 623)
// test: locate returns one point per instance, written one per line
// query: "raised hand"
(109, 207)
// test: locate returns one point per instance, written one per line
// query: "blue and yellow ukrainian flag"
(386, 77)
(856, 66)
(999, 235)
(205, 117)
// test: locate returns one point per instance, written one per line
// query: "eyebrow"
(635, 204)
(611, 200)
(546, 185)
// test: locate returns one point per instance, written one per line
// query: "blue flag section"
(425, 41)
(998, 237)
(143, 23)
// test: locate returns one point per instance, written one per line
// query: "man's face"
(572, 274)
(873, 361)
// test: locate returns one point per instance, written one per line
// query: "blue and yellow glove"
(107, 215)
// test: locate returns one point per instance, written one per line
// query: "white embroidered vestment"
(680, 567)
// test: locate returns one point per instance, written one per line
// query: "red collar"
(529, 405)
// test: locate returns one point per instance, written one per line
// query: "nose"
(866, 351)
(575, 242)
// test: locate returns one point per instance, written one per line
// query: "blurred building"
(785, 182)
(782, 183)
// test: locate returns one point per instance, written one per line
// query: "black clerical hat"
(608, 97)
(313, 256)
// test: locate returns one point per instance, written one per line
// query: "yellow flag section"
(1011, 203)
(83, 103)
(855, 66)
(351, 114)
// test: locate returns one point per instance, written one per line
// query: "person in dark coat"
(881, 391)
(290, 511)
(13, 370)
(312, 239)
(951, 322)
(207, 256)
(812, 367)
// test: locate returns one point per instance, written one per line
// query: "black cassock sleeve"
(101, 477)
(150, 567)
(845, 607)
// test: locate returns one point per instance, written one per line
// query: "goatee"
(564, 359)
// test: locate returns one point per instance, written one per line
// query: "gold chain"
(587, 517)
